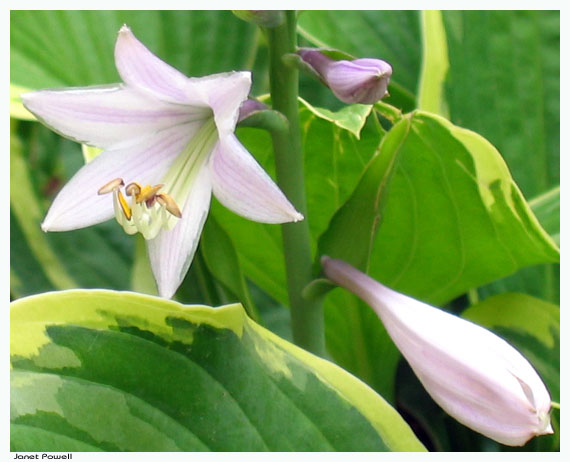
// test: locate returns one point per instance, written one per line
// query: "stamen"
(133, 189)
(146, 211)
(111, 186)
(124, 206)
(147, 193)
(169, 204)
(149, 212)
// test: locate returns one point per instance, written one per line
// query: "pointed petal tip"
(298, 217)
(28, 99)
(25, 96)
(125, 29)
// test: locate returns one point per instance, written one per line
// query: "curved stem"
(306, 315)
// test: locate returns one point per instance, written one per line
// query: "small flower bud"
(249, 107)
(265, 18)
(474, 375)
(362, 81)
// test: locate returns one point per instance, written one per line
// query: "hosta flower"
(475, 376)
(363, 81)
(168, 143)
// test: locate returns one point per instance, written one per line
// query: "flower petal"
(224, 93)
(78, 205)
(140, 68)
(105, 116)
(243, 186)
(171, 252)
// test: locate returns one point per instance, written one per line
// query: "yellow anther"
(133, 189)
(147, 193)
(124, 206)
(111, 186)
(169, 204)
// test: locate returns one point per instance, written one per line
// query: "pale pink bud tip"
(474, 375)
(363, 81)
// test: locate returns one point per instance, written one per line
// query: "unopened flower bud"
(265, 18)
(475, 376)
(249, 107)
(363, 81)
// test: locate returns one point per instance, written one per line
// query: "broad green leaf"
(454, 210)
(65, 48)
(451, 201)
(361, 215)
(513, 99)
(453, 220)
(121, 371)
(435, 64)
(393, 36)
(541, 281)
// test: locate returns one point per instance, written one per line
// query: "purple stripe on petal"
(105, 116)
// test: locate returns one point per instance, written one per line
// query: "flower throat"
(152, 208)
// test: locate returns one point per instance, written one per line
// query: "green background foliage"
(451, 212)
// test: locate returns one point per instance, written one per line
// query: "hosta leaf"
(452, 202)
(453, 219)
(514, 102)
(122, 371)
